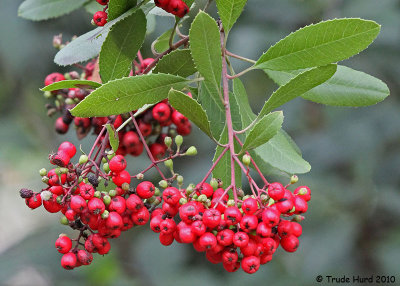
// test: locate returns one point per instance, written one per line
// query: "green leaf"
(212, 104)
(347, 87)
(121, 46)
(191, 109)
(229, 11)
(161, 44)
(38, 10)
(280, 153)
(320, 44)
(88, 45)
(298, 86)
(127, 94)
(113, 137)
(92, 7)
(240, 94)
(205, 47)
(263, 130)
(178, 62)
(117, 7)
(87, 84)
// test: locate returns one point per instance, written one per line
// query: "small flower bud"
(182, 201)
(192, 151)
(157, 192)
(294, 179)
(178, 140)
(140, 176)
(97, 194)
(169, 164)
(202, 198)
(179, 180)
(246, 159)
(64, 220)
(112, 193)
(230, 203)
(106, 200)
(125, 187)
(214, 183)
(45, 179)
(168, 141)
(106, 167)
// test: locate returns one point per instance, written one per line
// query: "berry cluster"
(100, 17)
(246, 235)
(159, 121)
(175, 7)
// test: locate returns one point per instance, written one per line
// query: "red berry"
(60, 126)
(297, 229)
(232, 215)
(114, 220)
(117, 164)
(184, 129)
(84, 257)
(63, 244)
(290, 243)
(117, 204)
(52, 78)
(208, 240)
(240, 239)
(121, 178)
(249, 223)
(145, 190)
(171, 195)
(187, 212)
(60, 159)
(100, 18)
(250, 206)
(205, 189)
(284, 228)
(250, 264)
(134, 203)
(211, 218)
(34, 202)
(69, 261)
(86, 191)
(141, 217)
(102, 2)
(276, 191)
(178, 8)
(161, 3)
(51, 205)
(78, 204)
(263, 230)
(166, 239)
(145, 128)
(68, 148)
(300, 205)
(161, 112)
(155, 224)
(225, 237)
(304, 192)
(199, 228)
(157, 150)
(230, 257)
(96, 206)
(187, 235)
(168, 226)
(250, 248)
(231, 267)
(270, 217)
(178, 118)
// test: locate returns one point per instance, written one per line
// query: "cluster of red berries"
(175, 7)
(99, 216)
(245, 236)
(100, 17)
(159, 121)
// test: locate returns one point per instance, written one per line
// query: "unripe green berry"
(168, 141)
(112, 193)
(163, 184)
(106, 167)
(195, 197)
(47, 94)
(106, 200)
(157, 192)
(59, 199)
(58, 171)
(178, 140)
(271, 202)
(140, 176)
(105, 214)
(80, 179)
(182, 201)
(97, 194)
(69, 101)
(45, 179)
(214, 183)
(202, 198)
(230, 203)
(43, 172)
(192, 151)
(246, 159)
(64, 220)
(64, 170)
(208, 203)
(125, 187)
(157, 201)
(110, 156)
(83, 159)
(151, 199)
(302, 191)
(264, 198)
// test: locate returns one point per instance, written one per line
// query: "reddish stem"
(212, 167)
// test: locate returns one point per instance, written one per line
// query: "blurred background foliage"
(352, 227)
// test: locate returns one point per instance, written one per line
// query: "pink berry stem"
(222, 195)
(250, 179)
(139, 55)
(253, 162)
(213, 167)
(228, 115)
(96, 142)
(154, 162)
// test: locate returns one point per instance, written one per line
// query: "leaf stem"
(240, 57)
(240, 74)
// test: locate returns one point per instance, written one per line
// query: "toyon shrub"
(136, 105)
